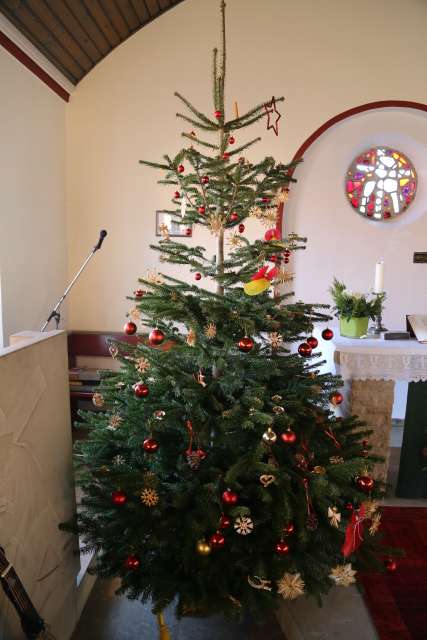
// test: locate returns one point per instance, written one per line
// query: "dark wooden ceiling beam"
(129, 14)
(153, 7)
(88, 24)
(81, 36)
(141, 10)
(115, 17)
(101, 18)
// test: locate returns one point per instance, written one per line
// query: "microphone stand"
(55, 314)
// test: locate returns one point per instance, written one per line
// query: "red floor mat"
(398, 601)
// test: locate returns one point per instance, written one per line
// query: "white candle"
(379, 277)
(183, 205)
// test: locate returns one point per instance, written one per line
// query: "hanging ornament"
(224, 522)
(390, 565)
(272, 234)
(327, 334)
(114, 351)
(150, 445)
(191, 338)
(217, 540)
(312, 341)
(119, 497)
(282, 548)
(176, 195)
(205, 179)
(202, 210)
(343, 575)
(241, 227)
(230, 497)
(334, 516)
(197, 276)
(304, 349)
(159, 414)
(156, 337)
(375, 524)
(288, 436)
(132, 563)
(278, 410)
(118, 460)
(260, 583)
(231, 140)
(336, 460)
(267, 479)
(188, 232)
(218, 114)
(246, 344)
(114, 422)
(139, 293)
(142, 365)
(275, 339)
(276, 398)
(243, 525)
(210, 331)
(149, 497)
(203, 548)
(273, 115)
(371, 507)
(193, 460)
(183, 207)
(290, 586)
(354, 532)
(141, 390)
(312, 522)
(365, 483)
(269, 436)
(225, 155)
(180, 168)
(336, 398)
(202, 455)
(260, 281)
(98, 400)
(234, 217)
(130, 328)
(289, 529)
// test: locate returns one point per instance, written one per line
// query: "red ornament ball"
(282, 548)
(225, 155)
(272, 234)
(246, 344)
(130, 328)
(201, 210)
(266, 199)
(349, 506)
(241, 227)
(141, 390)
(390, 565)
(181, 168)
(177, 194)
(336, 398)
(289, 529)
(197, 276)
(202, 455)
(217, 540)
(224, 522)
(304, 350)
(132, 563)
(234, 217)
(312, 341)
(119, 498)
(139, 293)
(365, 483)
(231, 140)
(218, 114)
(230, 497)
(327, 334)
(205, 179)
(150, 445)
(288, 436)
(156, 337)
(287, 253)
(188, 232)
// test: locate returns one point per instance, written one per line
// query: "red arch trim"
(379, 104)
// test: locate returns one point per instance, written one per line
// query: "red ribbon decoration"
(262, 273)
(354, 532)
(331, 435)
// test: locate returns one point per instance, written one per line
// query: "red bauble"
(225, 155)
(365, 483)
(218, 114)
(231, 140)
(241, 227)
(188, 232)
(225, 522)
(119, 498)
(266, 199)
(282, 548)
(177, 194)
(150, 445)
(327, 334)
(234, 217)
(275, 259)
(205, 179)
(197, 276)
(181, 168)
(201, 210)
(217, 540)
(349, 506)
(130, 328)
(312, 341)
(132, 563)
(141, 390)
(390, 565)
(272, 234)
(246, 344)
(202, 455)
(289, 529)
(156, 337)
(336, 398)
(289, 436)
(304, 350)
(230, 497)
(138, 293)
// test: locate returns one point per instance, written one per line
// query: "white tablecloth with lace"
(381, 359)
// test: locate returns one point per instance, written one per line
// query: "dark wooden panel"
(129, 14)
(153, 7)
(164, 4)
(73, 25)
(88, 24)
(101, 19)
(115, 17)
(141, 10)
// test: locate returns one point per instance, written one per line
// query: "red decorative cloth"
(354, 532)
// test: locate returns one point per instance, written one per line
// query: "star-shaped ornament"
(270, 109)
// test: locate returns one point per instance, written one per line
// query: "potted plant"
(354, 309)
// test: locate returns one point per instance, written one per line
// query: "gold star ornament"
(343, 575)
(290, 586)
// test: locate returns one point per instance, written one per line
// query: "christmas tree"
(217, 474)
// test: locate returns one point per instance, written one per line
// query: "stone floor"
(108, 617)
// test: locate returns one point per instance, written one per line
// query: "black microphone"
(102, 235)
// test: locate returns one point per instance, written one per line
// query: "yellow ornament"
(334, 516)
(210, 331)
(255, 287)
(290, 586)
(98, 400)
(343, 575)
(149, 497)
(191, 338)
(203, 548)
(142, 365)
(375, 523)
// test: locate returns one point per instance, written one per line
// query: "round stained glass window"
(381, 183)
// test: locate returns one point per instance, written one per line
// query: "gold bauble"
(203, 548)
(269, 436)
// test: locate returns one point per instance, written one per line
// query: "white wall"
(32, 184)
(324, 57)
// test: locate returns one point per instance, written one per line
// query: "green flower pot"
(354, 328)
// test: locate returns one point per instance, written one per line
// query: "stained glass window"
(381, 183)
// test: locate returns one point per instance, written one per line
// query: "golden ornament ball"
(269, 436)
(203, 548)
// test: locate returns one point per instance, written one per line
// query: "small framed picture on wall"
(166, 221)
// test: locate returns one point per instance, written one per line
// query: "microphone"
(102, 235)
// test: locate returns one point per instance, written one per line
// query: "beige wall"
(32, 203)
(324, 57)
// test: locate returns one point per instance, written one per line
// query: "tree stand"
(163, 628)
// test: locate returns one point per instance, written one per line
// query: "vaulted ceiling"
(76, 34)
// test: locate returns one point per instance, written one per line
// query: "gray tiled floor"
(108, 617)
